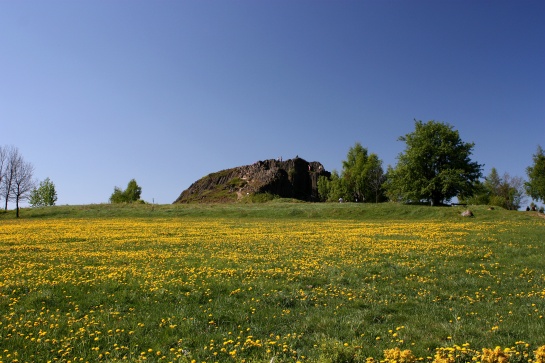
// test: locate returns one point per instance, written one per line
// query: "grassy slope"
(495, 283)
(277, 209)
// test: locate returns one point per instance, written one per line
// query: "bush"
(129, 195)
(44, 195)
(262, 197)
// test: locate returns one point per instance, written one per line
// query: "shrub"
(262, 197)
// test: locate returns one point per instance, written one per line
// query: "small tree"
(362, 176)
(10, 158)
(535, 186)
(129, 195)
(323, 187)
(376, 178)
(22, 182)
(133, 191)
(511, 191)
(338, 188)
(355, 171)
(3, 163)
(333, 188)
(44, 195)
(506, 191)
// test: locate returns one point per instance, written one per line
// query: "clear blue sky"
(95, 93)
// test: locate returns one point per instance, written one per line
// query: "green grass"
(276, 208)
(104, 282)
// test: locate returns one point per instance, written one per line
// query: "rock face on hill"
(293, 178)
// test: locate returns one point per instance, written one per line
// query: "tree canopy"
(44, 195)
(361, 178)
(129, 195)
(535, 186)
(435, 166)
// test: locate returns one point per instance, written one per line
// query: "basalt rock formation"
(294, 178)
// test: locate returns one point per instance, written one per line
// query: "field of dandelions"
(190, 289)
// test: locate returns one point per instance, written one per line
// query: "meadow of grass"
(282, 282)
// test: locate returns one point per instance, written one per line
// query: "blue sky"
(95, 93)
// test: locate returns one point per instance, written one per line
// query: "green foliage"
(481, 195)
(361, 179)
(435, 166)
(535, 187)
(262, 197)
(129, 195)
(363, 175)
(355, 170)
(236, 183)
(339, 189)
(512, 191)
(375, 180)
(44, 195)
(493, 182)
(323, 187)
(506, 192)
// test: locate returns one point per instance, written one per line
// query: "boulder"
(467, 213)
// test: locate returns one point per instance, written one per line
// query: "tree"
(10, 156)
(324, 186)
(133, 191)
(129, 195)
(506, 191)
(492, 183)
(511, 191)
(44, 195)
(22, 181)
(535, 186)
(355, 172)
(363, 175)
(435, 166)
(3, 163)
(361, 179)
(376, 178)
(339, 189)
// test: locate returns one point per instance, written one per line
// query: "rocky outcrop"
(293, 178)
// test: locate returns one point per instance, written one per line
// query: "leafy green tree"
(363, 175)
(506, 191)
(44, 195)
(535, 186)
(129, 195)
(118, 196)
(355, 171)
(376, 178)
(324, 185)
(333, 188)
(492, 183)
(133, 191)
(339, 189)
(510, 194)
(435, 166)
(361, 179)
(481, 195)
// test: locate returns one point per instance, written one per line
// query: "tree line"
(435, 167)
(17, 182)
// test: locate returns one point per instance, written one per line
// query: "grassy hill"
(277, 209)
(281, 281)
